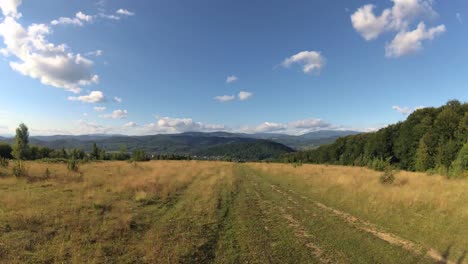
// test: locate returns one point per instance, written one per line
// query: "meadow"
(220, 212)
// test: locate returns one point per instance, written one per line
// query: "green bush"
(387, 177)
(459, 168)
(19, 169)
(379, 164)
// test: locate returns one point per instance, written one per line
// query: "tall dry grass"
(430, 209)
(106, 211)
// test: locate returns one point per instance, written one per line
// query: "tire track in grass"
(371, 229)
(299, 230)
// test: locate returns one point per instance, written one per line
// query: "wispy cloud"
(404, 110)
(243, 95)
(117, 114)
(225, 98)
(92, 97)
(459, 18)
(311, 61)
(125, 12)
(231, 79)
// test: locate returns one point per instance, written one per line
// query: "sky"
(168, 66)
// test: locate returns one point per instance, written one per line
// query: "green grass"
(213, 212)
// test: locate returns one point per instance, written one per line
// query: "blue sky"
(147, 67)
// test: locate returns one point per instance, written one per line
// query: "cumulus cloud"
(100, 108)
(130, 124)
(225, 98)
(10, 8)
(118, 99)
(243, 95)
(411, 41)
(311, 61)
(37, 58)
(294, 127)
(116, 114)
(267, 127)
(78, 20)
(405, 110)
(92, 97)
(180, 125)
(398, 18)
(231, 79)
(124, 12)
(369, 25)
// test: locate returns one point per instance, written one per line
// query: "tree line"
(22, 150)
(431, 139)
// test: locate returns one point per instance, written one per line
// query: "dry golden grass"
(427, 208)
(108, 210)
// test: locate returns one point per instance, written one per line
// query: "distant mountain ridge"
(268, 145)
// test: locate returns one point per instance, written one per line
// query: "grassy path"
(306, 233)
(188, 212)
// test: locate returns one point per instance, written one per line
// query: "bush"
(4, 162)
(387, 177)
(72, 165)
(19, 169)
(379, 164)
(459, 168)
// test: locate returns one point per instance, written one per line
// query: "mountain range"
(255, 146)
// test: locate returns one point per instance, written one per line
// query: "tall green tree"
(423, 156)
(21, 145)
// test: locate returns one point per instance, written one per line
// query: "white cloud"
(369, 25)
(37, 58)
(410, 42)
(459, 18)
(78, 20)
(125, 12)
(243, 95)
(100, 108)
(405, 110)
(93, 97)
(111, 17)
(84, 127)
(398, 19)
(312, 123)
(96, 53)
(225, 98)
(117, 114)
(297, 127)
(267, 127)
(10, 8)
(118, 99)
(231, 79)
(311, 61)
(180, 125)
(130, 124)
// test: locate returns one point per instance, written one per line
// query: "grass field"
(215, 212)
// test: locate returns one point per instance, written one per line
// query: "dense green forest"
(248, 151)
(431, 139)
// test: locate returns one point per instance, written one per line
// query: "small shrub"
(4, 162)
(387, 177)
(379, 164)
(19, 169)
(73, 165)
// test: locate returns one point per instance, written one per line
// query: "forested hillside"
(430, 139)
